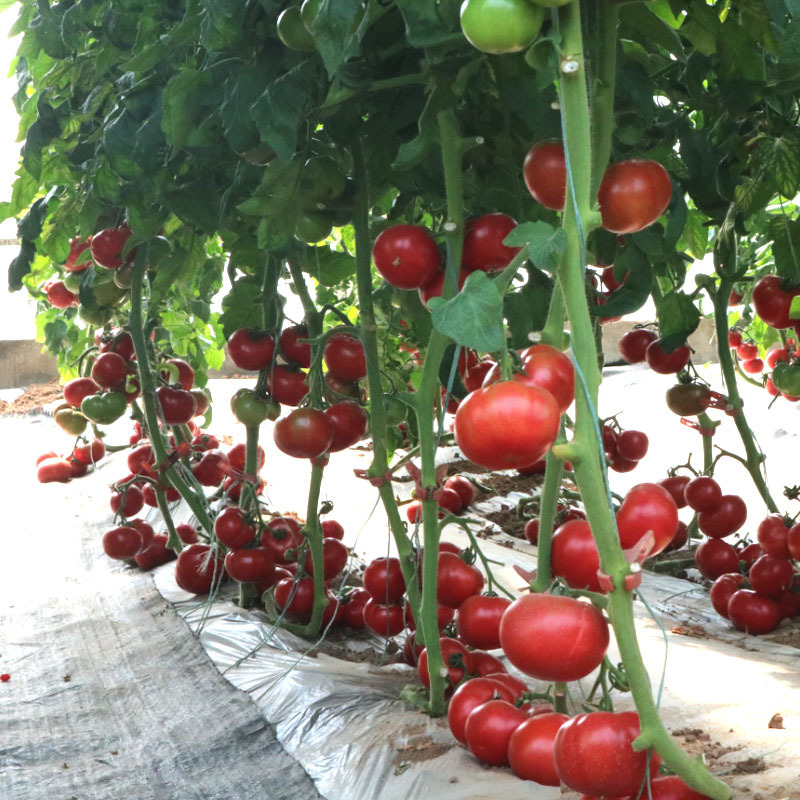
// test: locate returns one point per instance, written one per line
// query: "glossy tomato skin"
(349, 421)
(334, 559)
(545, 173)
(500, 26)
(353, 608)
(722, 589)
(772, 302)
(293, 345)
(715, 557)
(530, 749)
(468, 697)
(76, 390)
(632, 444)
(456, 658)
(647, 507)
(331, 529)
(303, 433)
(384, 620)
(295, 597)
(703, 494)
(286, 385)
(550, 369)
(406, 256)
(250, 349)
(253, 565)
(676, 486)
(383, 579)
(197, 569)
(232, 529)
(726, 519)
(344, 355)
(752, 613)
(53, 470)
(773, 536)
(463, 487)
(109, 369)
(574, 555)
(123, 542)
(456, 580)
(554, 638)
(506, 425)
(478, 621)
(483, 243)
(156, 554)
(633, 344)
(671, 787)
(593, 754)
(212, 468)
(107, 246)
(666, 363)
(488, 730)
(90, 453)
(282, 536)
(770, 576)
(633, 194)
(177, 405)
(59, 296)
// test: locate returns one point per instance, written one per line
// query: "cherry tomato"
(726, 519)
(722, 589)
(647, 508)
(530, 749)
(383, 579)
(287, 385)
(331, 529)
(703, 494)
(128, 503)
(255, 565)
(107, 246)
(545, 173)
(574, 555)
(632, 445)
(773, 536)
(532, 531)
(232, 529)
(478, 621)
(59, 296)
(250, 349)
(633, 194)
(212, 468)
(406, 256)
(752, 613)
(282, 535)
(90, 453)
(293, 345)
(500, 26)
(772, 302)
(770, 575)
(506, 425)
(334, 559)
(344, 355)
(456, 580)
(468, 697)
(554, 638)
(156, 554)
(303, 433)
(177, 405)
(353, 608)
(489, 728)
(76, 390)
(198, 568)
(666, 363)
(123, 542)
(385, 620)
(715, 557)
(483, 243)
(349, 422)
(295, 597)
(634, 343)
(53, 470)
(676, 485)
(463, 486)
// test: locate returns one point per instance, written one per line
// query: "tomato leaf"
(474, 317)
(431, 24)
(545, 243)
(337, 31)
(330, 267)
(526, 309)
(786, 246)
(633, 293)
(780, 158)
(678, 317)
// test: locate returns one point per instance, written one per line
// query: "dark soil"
(509, 521)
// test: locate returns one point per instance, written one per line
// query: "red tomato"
(475, 375)
(488, 729)
(107, 246)
(676, 486)
(406, 256)
(344, 355)
(90, 453)
(456, 658)
(793, 541)
(353, 607)
(331, 529)
(715, 557)
(594, 754)
(456, 580)
(468, 697)
(383, 579)
(123, 542)
(750, 554)
(198, 568)
(753, 366)
(548, 368)
(633, 344)
(185, 373)
(385, 620)
(679, 539)
(463, 486)
(647, 508)
(671, 787)
(773, 536)
(478, 621)
(734, 338)
(554, 638)
(448, 499)
(334, 559)
(632, 445)
(752, 613)
(186, 533)
(574, 555)
(770, 576)
(517, 687)
(772, 302)
(212, 468)
(349, 422)
(177, 405)
(747, 350)
(250, 349)
(129, 502)
(295, 597)
(726, 519)
(435, 286)
(283, 537)
(545, 173)
(633, 194)
(156, 554)
(703, 494)
(532, 531)
(530, 749)
(483, 243)
(303, 433)
(238, 453)
(485, 663)
(666, 363)
(287, 385)
(59, 296)
(232, 529)
(255, 565)
(722, 589)
(506, 425)
(294, 346)
(76, 390)
(53, 470)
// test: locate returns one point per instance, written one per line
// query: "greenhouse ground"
(109, 689)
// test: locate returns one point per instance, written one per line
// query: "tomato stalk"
(377, 407)
(754, 458)
(554, 472)
(174, 542)
(171, 475)
(577, 220)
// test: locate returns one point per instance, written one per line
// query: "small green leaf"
(780, 157)
(678, 317)
(431, 24)
(183, 100)
(474, 317)
(633, 293)
(794, 309)
(545, 243)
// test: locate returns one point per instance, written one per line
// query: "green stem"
(174, 542)
(377, 407)
(708, 444)
(604, 77)
(554, 472)
(171, 475)
(577, 220)
(754, 457)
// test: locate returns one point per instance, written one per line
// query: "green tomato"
(105, 291)
(96, 316)
(322, 180)
(293, 33)
(103, 409)
(70, 420)
(72, 280)
(251, 410)
(123, 277)
(786, 378)
(500, 26)
(313, 227)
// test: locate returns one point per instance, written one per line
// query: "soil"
(34, 399)
(509, 521)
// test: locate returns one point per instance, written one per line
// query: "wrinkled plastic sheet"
(342, 720)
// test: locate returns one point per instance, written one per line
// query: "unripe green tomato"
(251, 410)
(501, 26)
(313, 227)
(105, 291)
(321, 180)
(72, 280)
(293, 33)
(786, 378)
(96, 316)
(123, 277)
(70, 420)
(103, 409)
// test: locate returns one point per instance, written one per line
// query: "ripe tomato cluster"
(624, 449)
(784, 380)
